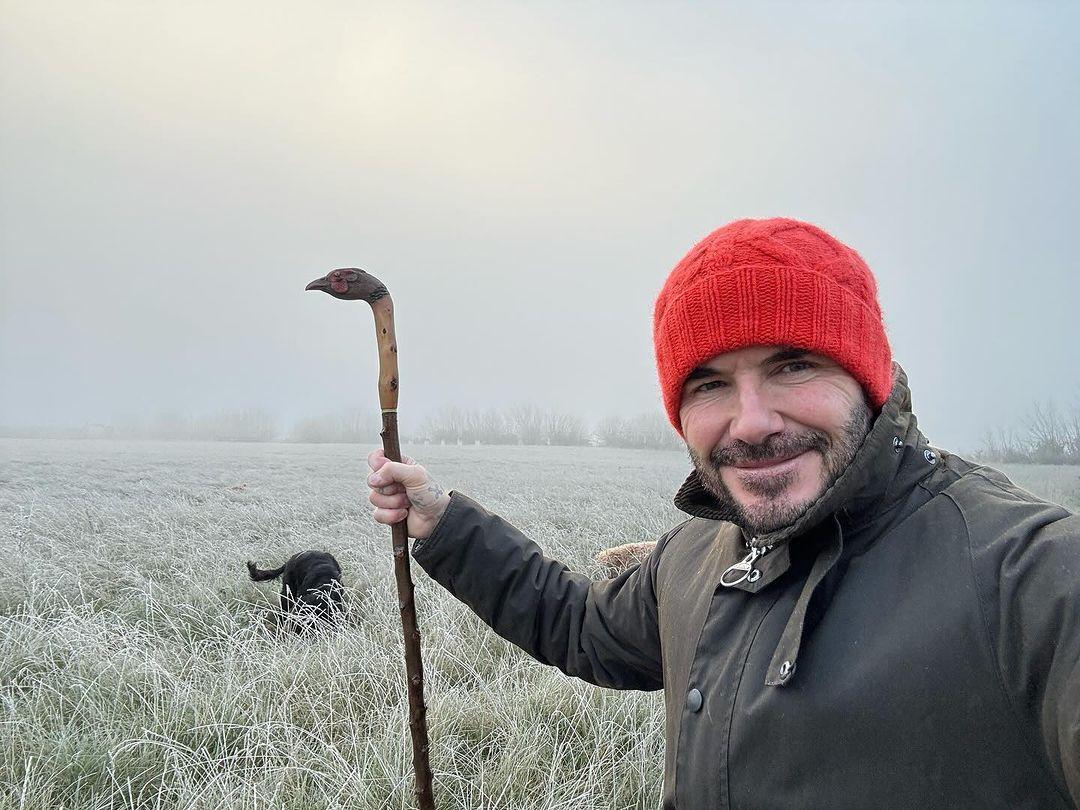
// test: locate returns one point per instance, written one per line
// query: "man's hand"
(404, 489)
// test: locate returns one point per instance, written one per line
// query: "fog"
(522, 177)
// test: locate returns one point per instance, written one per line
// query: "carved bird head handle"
(353, 284)
(350, 284)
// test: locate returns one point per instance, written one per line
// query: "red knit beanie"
(770, 282)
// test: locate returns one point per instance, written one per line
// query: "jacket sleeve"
(1029, 575)
(605, 632)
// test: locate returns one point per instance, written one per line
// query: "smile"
(769, 466)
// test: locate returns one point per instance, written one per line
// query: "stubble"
(775, 511)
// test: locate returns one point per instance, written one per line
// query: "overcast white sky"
(522, 177)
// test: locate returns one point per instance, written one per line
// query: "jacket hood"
(862, 490)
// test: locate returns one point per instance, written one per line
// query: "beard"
(775, 511)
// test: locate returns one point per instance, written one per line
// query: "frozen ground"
(137, 668)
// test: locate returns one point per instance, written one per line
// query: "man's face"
(769, 428)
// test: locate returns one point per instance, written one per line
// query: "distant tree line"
(528, 424)
(347, 426)
(646, 430)
(521, 424)
(518, 425)
(251, 425)
(1047, 437)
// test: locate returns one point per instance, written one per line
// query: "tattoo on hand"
(427, 497)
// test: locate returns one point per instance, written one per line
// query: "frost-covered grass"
(138, 667)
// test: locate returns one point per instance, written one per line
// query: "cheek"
(826, 408)
(702, 428)
(339, 285)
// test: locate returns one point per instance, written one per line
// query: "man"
(849, 618)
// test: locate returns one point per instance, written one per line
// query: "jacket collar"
(864, 489)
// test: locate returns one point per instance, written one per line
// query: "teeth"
(770, 463)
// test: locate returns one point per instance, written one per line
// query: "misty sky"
(522, 176)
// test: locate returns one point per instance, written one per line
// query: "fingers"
(389, 489)
(397, 500)
(390, 516)
(398, 486)
(396, 472)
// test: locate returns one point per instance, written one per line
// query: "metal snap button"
(693, 700)
(786, 669)
(753, 576)
(897, 444)
(930, 456)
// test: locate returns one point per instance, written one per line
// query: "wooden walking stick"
(351, 284)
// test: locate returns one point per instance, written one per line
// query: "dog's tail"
(259, 575)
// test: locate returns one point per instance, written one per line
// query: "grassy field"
(138, 669)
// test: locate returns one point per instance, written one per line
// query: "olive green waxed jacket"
(913, 641)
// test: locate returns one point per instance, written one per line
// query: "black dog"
(311, 590)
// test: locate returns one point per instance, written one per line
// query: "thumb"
(377, 458)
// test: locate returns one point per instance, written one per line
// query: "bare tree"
(527, 423)
(1071, 436)
(563, 429)
(494, 428)
(651, 430)
(612, 431)
(1046, 435)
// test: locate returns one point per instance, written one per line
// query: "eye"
(796, 366)
(708, 385)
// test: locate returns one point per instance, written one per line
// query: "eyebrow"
(784, 355)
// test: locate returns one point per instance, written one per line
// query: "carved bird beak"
(318, 284)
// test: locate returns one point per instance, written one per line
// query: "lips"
(765, 464)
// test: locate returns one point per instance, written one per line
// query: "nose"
(755, 417)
